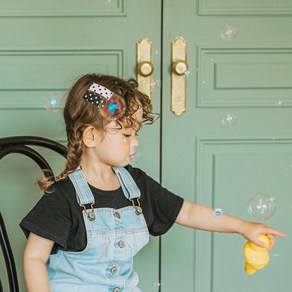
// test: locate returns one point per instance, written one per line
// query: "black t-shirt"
(58, 217)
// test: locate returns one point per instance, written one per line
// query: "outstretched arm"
(202, 217)
(36, 254)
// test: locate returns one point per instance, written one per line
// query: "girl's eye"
(130, 134)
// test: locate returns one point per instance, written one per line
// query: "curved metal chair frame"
(18, 144)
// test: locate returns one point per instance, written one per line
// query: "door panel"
(244, 77)
(231, 172)
(233, 141)
(44, 48)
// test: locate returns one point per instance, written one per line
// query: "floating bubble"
(262, 206)
(115, 108)
(53, 102)
(218, 212)
(157, 284)
(154, 84)
(228, 32)
(229, 119)
(188, 72)
(276, 254)
(134, 158)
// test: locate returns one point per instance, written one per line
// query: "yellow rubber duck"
(256, 257)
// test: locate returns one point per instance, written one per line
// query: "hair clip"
(111, 105)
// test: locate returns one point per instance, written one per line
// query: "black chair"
(20, 144)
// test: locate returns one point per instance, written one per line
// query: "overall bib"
(114, 236)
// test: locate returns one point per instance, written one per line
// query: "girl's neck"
(100, 176)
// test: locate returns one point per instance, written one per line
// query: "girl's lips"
(132, 156)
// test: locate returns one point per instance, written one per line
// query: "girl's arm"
(36, 254)
(201, 217)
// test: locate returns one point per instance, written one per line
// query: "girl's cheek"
(126, 140)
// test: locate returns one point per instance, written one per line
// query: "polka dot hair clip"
(111, 105)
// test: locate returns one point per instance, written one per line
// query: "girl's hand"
(251, 231)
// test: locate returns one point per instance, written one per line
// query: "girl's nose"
(135, 141)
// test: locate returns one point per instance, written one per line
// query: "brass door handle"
(145, 67)
(179, 68)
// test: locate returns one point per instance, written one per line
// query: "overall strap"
(83, 192)
(129, 187)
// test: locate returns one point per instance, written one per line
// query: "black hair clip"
(111, 105)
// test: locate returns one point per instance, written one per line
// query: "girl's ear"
(89, 136)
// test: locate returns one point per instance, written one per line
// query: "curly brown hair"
(79, 114)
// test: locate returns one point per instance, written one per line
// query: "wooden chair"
(20, 144)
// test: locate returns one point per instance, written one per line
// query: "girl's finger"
(275, 232)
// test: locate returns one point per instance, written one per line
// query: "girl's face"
(117, 146)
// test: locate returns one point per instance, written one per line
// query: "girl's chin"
(123, 163)
(128, 160)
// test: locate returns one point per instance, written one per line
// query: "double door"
(222, 85)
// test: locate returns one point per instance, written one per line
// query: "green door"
(233, 141)
(44, 48)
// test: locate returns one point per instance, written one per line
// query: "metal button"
(91, 215)
(116, 289)
(117, 214)
(114, 270)
(121, 244)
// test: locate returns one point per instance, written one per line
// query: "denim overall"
(114, 236)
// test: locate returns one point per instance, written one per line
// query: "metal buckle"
(138, 209)
(90, 214)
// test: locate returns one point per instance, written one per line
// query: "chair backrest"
(20, 144)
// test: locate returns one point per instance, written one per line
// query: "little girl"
(99, 212)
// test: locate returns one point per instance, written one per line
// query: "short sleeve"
(50, 218)
(165, 208)
(160, 206)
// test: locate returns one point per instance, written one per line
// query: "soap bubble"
(155, 84)
(53, 102)
(218, 212)
(134, 158)
(114, 108)
(188, 72)
(229, 119)
(262, 206)
(228, 32)
(276, 254)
